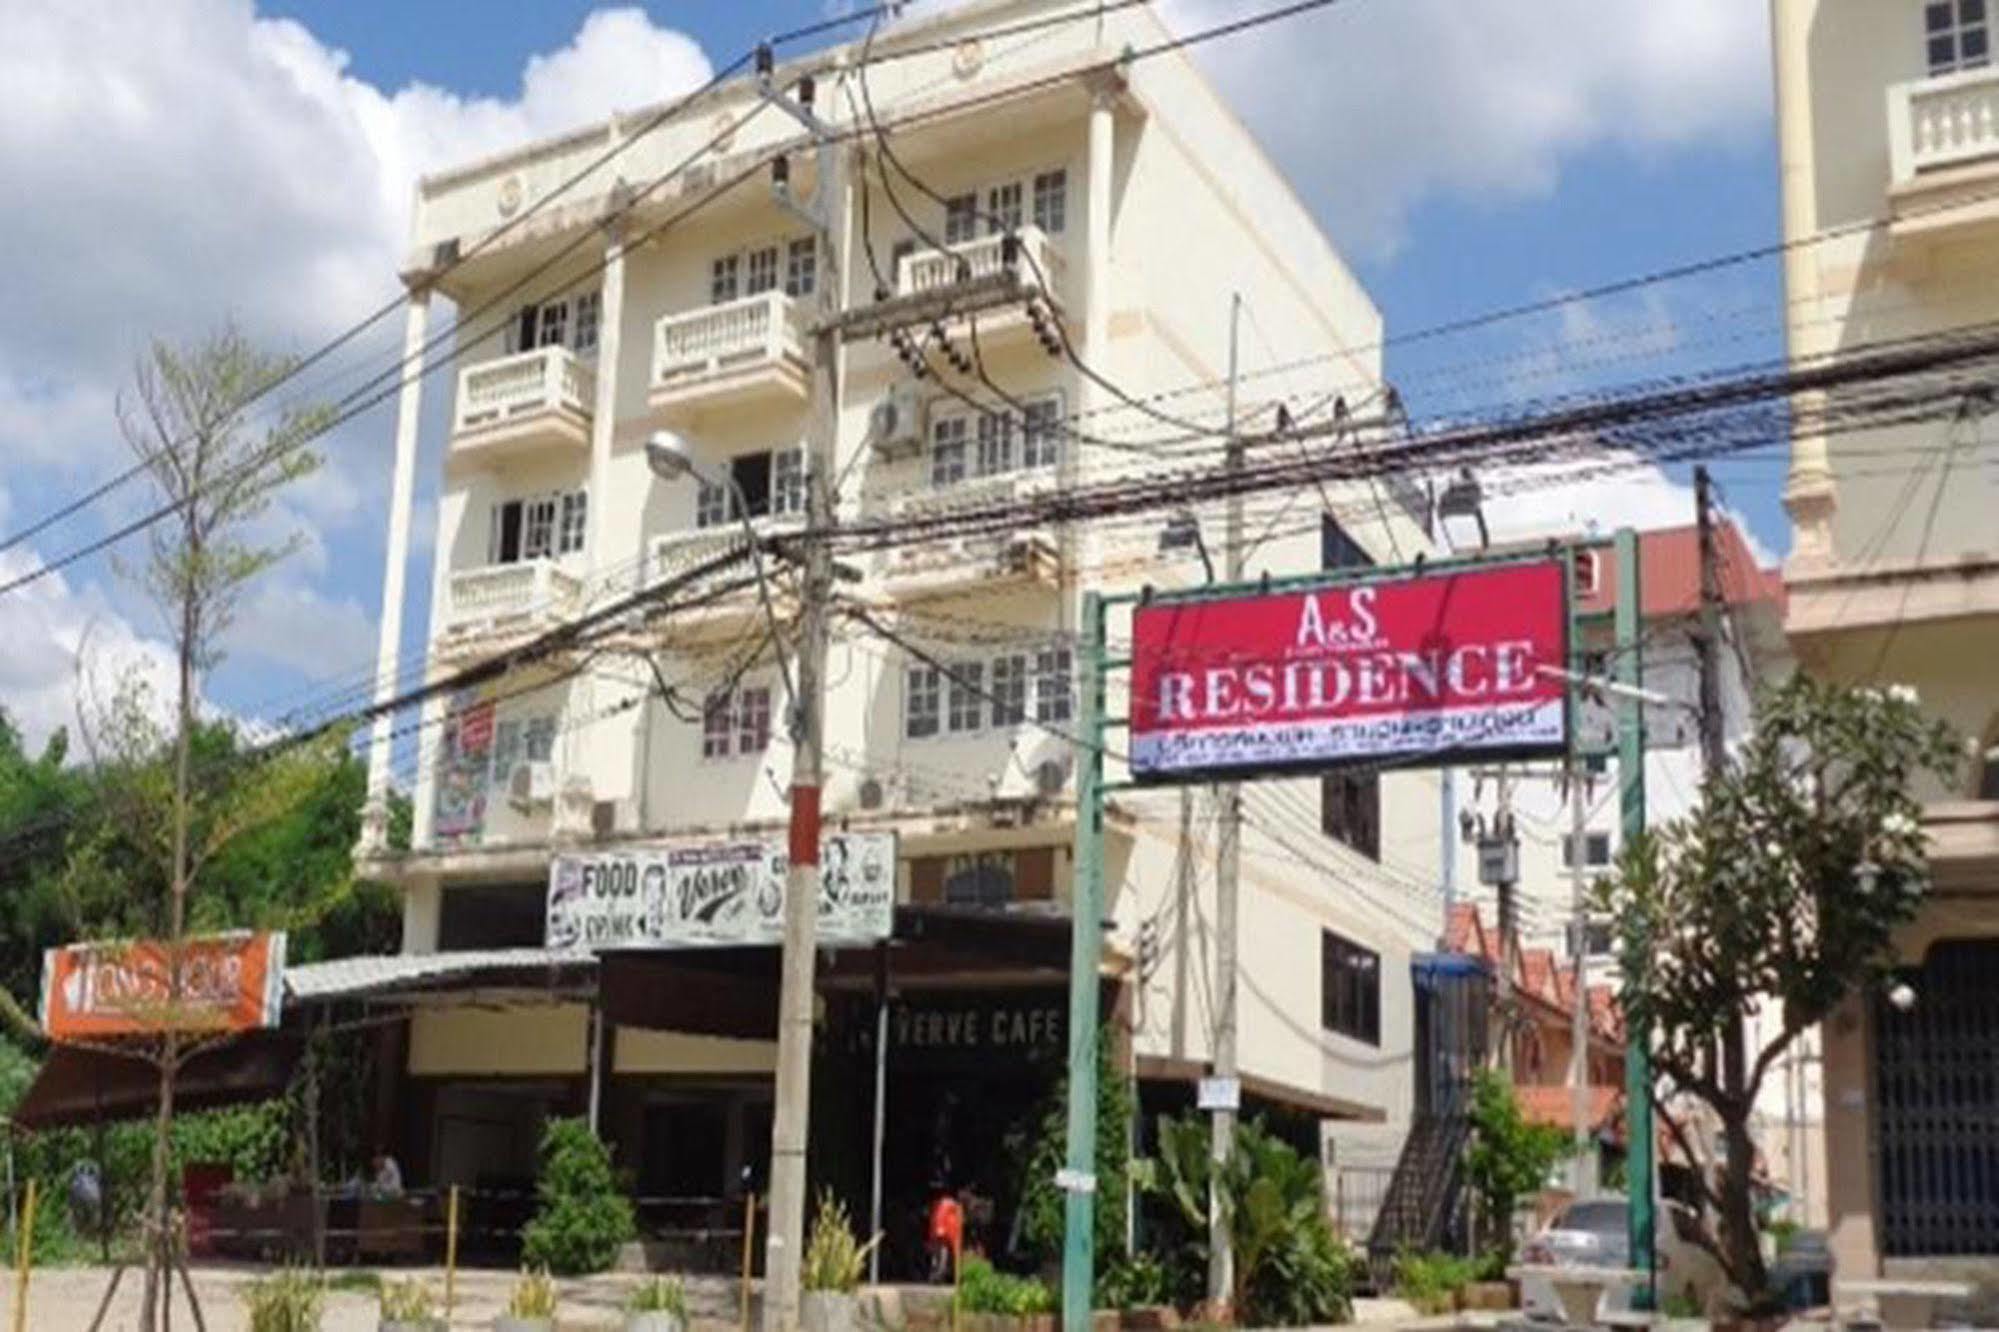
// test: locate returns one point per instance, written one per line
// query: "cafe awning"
(81, 1086)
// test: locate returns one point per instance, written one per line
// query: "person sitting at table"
(387, 1180)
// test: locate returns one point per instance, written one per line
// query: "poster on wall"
(717, 893)
(465, 751)
(1430, 667)
(228, 983)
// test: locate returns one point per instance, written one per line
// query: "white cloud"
(177, 163)
(54, 629)
(1596, 497)
(1372, 107)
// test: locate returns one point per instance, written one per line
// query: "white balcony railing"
(768, 327)
(1040, 266)
(973, 557)
(674, 553)
(1942, 122)
(545, 379)
(499, 596)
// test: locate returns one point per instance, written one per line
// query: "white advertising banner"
(716, 894)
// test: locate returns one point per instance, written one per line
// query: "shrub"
(1431, 1281)
(533, 1296)
(286, 1301)
(582, 1219)
(660, 1295)
(834, 1259)
(407, 1302)
(1509, 1158)
(1133, 1281)
(982, 1288)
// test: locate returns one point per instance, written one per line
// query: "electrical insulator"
(806, 91)
(765, 60)
(780, 172)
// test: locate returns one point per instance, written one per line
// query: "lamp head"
(667, 456)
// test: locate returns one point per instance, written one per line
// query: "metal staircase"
(1424, 1207)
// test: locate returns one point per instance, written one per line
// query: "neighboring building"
(1144, 206)
(1888, 121)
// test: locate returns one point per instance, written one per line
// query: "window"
(1338, 550)
(995, 443)
(1587, 573)
(736, 723)
(722, 279)
(760, 271)
(1957, 34)
(1010, 689)
(1052, 697)
(589, 317)
(1041, 433)
(1596, 850)
(1350, 988)
(923, 702)
(787, 484)
(947, 450)
(554, 331)
(1003, 208)
(537, 527)
(968, 696)
(718, 726)
(1596, 938)
(801, 267)
(520, 740)
(1350, 811)
(771, 481)
(1051, 201)
(753, 720)
(712, 503)
(961, 218)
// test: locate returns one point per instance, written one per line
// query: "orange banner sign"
(228, 982)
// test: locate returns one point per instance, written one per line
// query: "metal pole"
(881, 1109)
(785, 1243)
(1579, 1074)
(1228, 873)
(1086, 946)
(596, 1067)
(1630, 671)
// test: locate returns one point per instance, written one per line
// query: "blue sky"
(194, 159)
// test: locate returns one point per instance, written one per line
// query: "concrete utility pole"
(1582, 1176)
(1228, 874)
(826, 214)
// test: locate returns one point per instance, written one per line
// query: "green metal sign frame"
(1078, 1178)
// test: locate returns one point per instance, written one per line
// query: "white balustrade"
(541, 380)
(975, 555)
(1040, 266)
(501, 593)
(674, 553)
(767, 327)
(1942, 122)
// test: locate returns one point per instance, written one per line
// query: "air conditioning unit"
(603, 818)
(1050, 776)
(895, 426)
(873, 793)
(531, 784)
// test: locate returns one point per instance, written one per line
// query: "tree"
(188, 424)
(1784, 886)
(1508, 1159)
(582, 1219)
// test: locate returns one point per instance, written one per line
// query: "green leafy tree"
(1508, 1159)
(1784, 886)
(582, 1219)
(1042, 1207)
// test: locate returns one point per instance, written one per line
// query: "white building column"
(604, 411)
(402, 487)
(1097, 229)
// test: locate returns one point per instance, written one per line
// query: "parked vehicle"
(1595, 1232)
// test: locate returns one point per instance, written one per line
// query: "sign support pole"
(881, 1109)
(1630, 670)
(1086, 946)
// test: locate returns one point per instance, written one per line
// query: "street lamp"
(670, 459)
(1183, 530)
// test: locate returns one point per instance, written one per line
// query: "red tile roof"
(1538, 975)
(1669, 573)
(1556, 1105)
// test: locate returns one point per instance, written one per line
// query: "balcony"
(955, 565)
(529, 401)
(491, 607)
(673, 553)
(1943, 152)
(729, 355)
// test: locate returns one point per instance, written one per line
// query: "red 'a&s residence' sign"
(1426, 668)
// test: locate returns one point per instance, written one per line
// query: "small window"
(995, 444)
(554, 329)
(1053, 697)
(1338, 549)
(923, 702)
(1041, 433)
(1597, 940)
(1596, 850)
(712, 503)
(961, 218)
(575, 523)
(538, 528)
(1003, 208)
(1587, 574)
(589, 315)
(760, 271)
(968, 696)
(801, 267)
(1957, 35)
(718, 727)
(723, 276)
(753, 720)
(1009, 689)
(1350, 811)
(503, 535)
(1350, 988)
(787, 481)
(1051, 201)
(947, 450)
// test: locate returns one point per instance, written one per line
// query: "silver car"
(1595, 1233)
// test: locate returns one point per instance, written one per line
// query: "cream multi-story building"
(1888, 118)
(655, 295)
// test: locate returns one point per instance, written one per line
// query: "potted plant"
(830, 1274)
(407, 1306)
(660, 1305)
(999, 1302)
(531, 1307)
(287, 1301)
